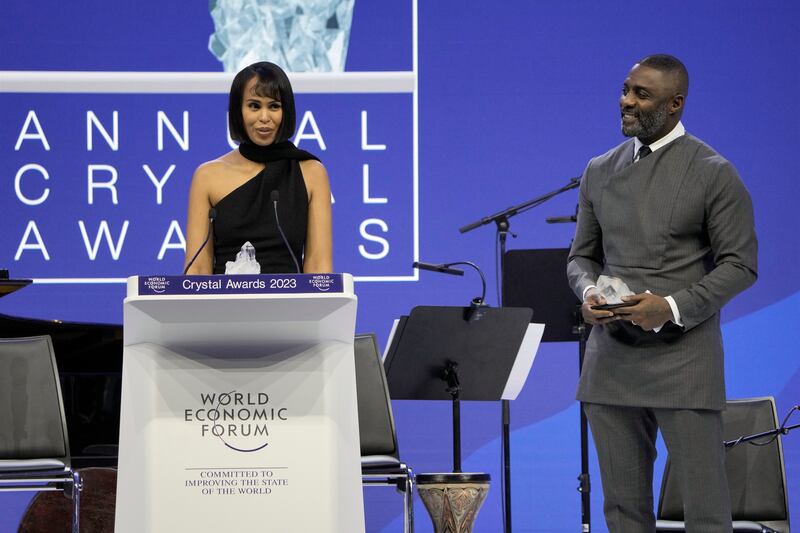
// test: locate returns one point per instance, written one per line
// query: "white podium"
(239, 405)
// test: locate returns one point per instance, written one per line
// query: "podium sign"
(238, 405)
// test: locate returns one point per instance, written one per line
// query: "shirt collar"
(676, 132)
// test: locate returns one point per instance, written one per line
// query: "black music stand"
(538, 279)
(456, 353)
(437, 354)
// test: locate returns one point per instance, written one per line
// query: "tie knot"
(644, 151)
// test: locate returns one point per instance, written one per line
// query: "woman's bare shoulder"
(228, 164)
(221, 164)
(313, 171)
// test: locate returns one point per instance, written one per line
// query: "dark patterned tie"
(644, 151)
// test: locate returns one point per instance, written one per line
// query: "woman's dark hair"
(272, 83)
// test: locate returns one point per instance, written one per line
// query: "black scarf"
(274, 152)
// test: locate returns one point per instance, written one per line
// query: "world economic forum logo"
(242, 421)
(156, 284)
(322, 282)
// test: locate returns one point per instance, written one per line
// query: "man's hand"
(595, 316)
(651, 311)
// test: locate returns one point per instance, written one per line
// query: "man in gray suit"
(670, 217)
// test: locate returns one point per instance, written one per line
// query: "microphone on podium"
(274, 197)
(212, 214)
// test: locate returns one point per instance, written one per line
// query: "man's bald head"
(673, 67)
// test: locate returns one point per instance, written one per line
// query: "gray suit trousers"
(625, 438)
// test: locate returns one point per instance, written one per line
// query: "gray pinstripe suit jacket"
(678, 222)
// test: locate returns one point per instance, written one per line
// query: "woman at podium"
(266, 192)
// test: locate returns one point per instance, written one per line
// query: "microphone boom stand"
(783, 430)
(501, 221)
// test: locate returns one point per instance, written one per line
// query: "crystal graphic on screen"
(298, 35)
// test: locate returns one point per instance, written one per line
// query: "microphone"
(477, 306)
(274, 197)
(444, 269)
(572, 218)
(476, 310)
(212, 214)
(561, 220)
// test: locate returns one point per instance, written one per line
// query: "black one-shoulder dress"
(247, 214)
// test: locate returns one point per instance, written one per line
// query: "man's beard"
(648, 123)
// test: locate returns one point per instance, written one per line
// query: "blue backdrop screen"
(471, 108)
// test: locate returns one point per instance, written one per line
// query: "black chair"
(756, 474)
(34, 449)
(380, 459)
